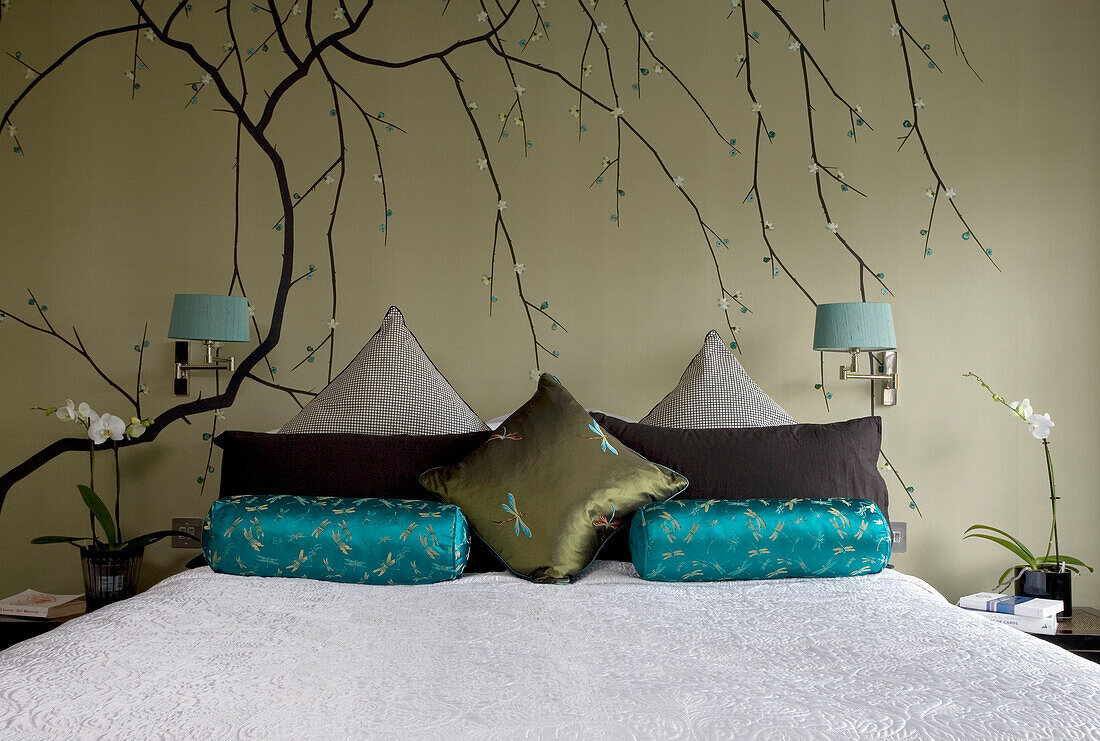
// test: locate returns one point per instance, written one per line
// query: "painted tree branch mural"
(508, 33)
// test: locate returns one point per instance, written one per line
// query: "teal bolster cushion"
(714, 540)
(364, 541)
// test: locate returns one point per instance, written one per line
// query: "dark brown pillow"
(813, 461)
(344, 465)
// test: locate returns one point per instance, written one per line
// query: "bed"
(489, 656)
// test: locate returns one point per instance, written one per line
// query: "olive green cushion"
(550, 485)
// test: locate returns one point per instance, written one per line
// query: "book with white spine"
(1046, 626)
(1033, 607)
(34, 604)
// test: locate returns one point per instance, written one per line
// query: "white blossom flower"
(333, 324)
(482, 163)
(616, 111)
(228, 45)
(135, 429)
(794, 46)
(832, 226)
(107, 427)
(520, 268)
(534, 374)
(143, 389)
(1040, 425)
(520, 90)
(724, 304)
(840, 174)
(519, 121)
(29, 74)
(66, 413)
(502, 117)
(251, 310)
(85, 413)
(931, 193)
(377, 177)
(574, 111)
(601, 29)
(648, 35)
(739, 58)
(542, 3)
(482, 17)
(297, 9)
(858, 109)
(757, 107)
(329, 178)
(128, 74)
(12, 131)
(472, 106)
(814, 168)
(768, 224)
(502, 205)
(219, 414)
(950, 193)
(536, 35)
(678, 181)
(1022, 408)
(895, 29)
(337, 13)
(736, 328)
(736, 295)
(207, 79)
(486, 278)
(735, 4)
(658, 69)
(918, 103)
(588, 70)
(149, 35)
(605, 162)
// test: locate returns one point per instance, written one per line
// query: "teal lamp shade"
(203, 317)
(840, 327)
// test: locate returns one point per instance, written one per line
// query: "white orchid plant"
(101, 429)
(1040, 426)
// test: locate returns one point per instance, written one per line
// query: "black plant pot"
(109, 576)
(1047, 585)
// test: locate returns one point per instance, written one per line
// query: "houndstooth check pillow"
(715, 391)
(390, 388)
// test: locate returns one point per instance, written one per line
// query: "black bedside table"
(1080, 634)
(14, 629)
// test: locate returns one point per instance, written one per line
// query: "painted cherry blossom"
(950, 193)
(895, 29)
(794, 46)
(918, 103)
(332, 323)
(520, 268)
(931, 193)
(678, 181)
(814, 168)
(724, 304)
(832, 226)
(337, 13)
(377, 177)
(616, 112)
(757, 107)
(502, 205)
(574, 111)
(601, 29)
(768, 224)
(486, 278)
(482, 163)
(648, 35)
(482, 17)
(520, 90)
(535, 374)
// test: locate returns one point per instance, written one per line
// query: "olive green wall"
(119, 204)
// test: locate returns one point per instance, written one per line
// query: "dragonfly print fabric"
(716, 540)
(550, 485)
(364, 541)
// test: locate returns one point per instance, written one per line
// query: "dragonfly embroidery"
(605, 444)
(516, 517)
(505, 435)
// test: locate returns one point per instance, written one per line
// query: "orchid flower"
(1040, 425)
(107, 427)
(67, 413)
(135, 429)
(85, 413)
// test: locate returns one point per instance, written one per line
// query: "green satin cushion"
(550, 485)
(363, 541)
(715, 540)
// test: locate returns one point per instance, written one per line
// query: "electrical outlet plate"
(192, 525)
(898, 537)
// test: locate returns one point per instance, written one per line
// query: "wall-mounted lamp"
(861, 327)
(209, 319)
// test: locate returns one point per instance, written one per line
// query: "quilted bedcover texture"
(490, 656)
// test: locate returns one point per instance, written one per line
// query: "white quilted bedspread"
(211, 656)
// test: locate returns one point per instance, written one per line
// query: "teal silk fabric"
(364, 541)
(715, 540)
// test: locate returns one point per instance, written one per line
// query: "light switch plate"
(898, 537)
(192, 525)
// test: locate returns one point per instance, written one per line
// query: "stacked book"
(1029, 614)
(32, 604)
